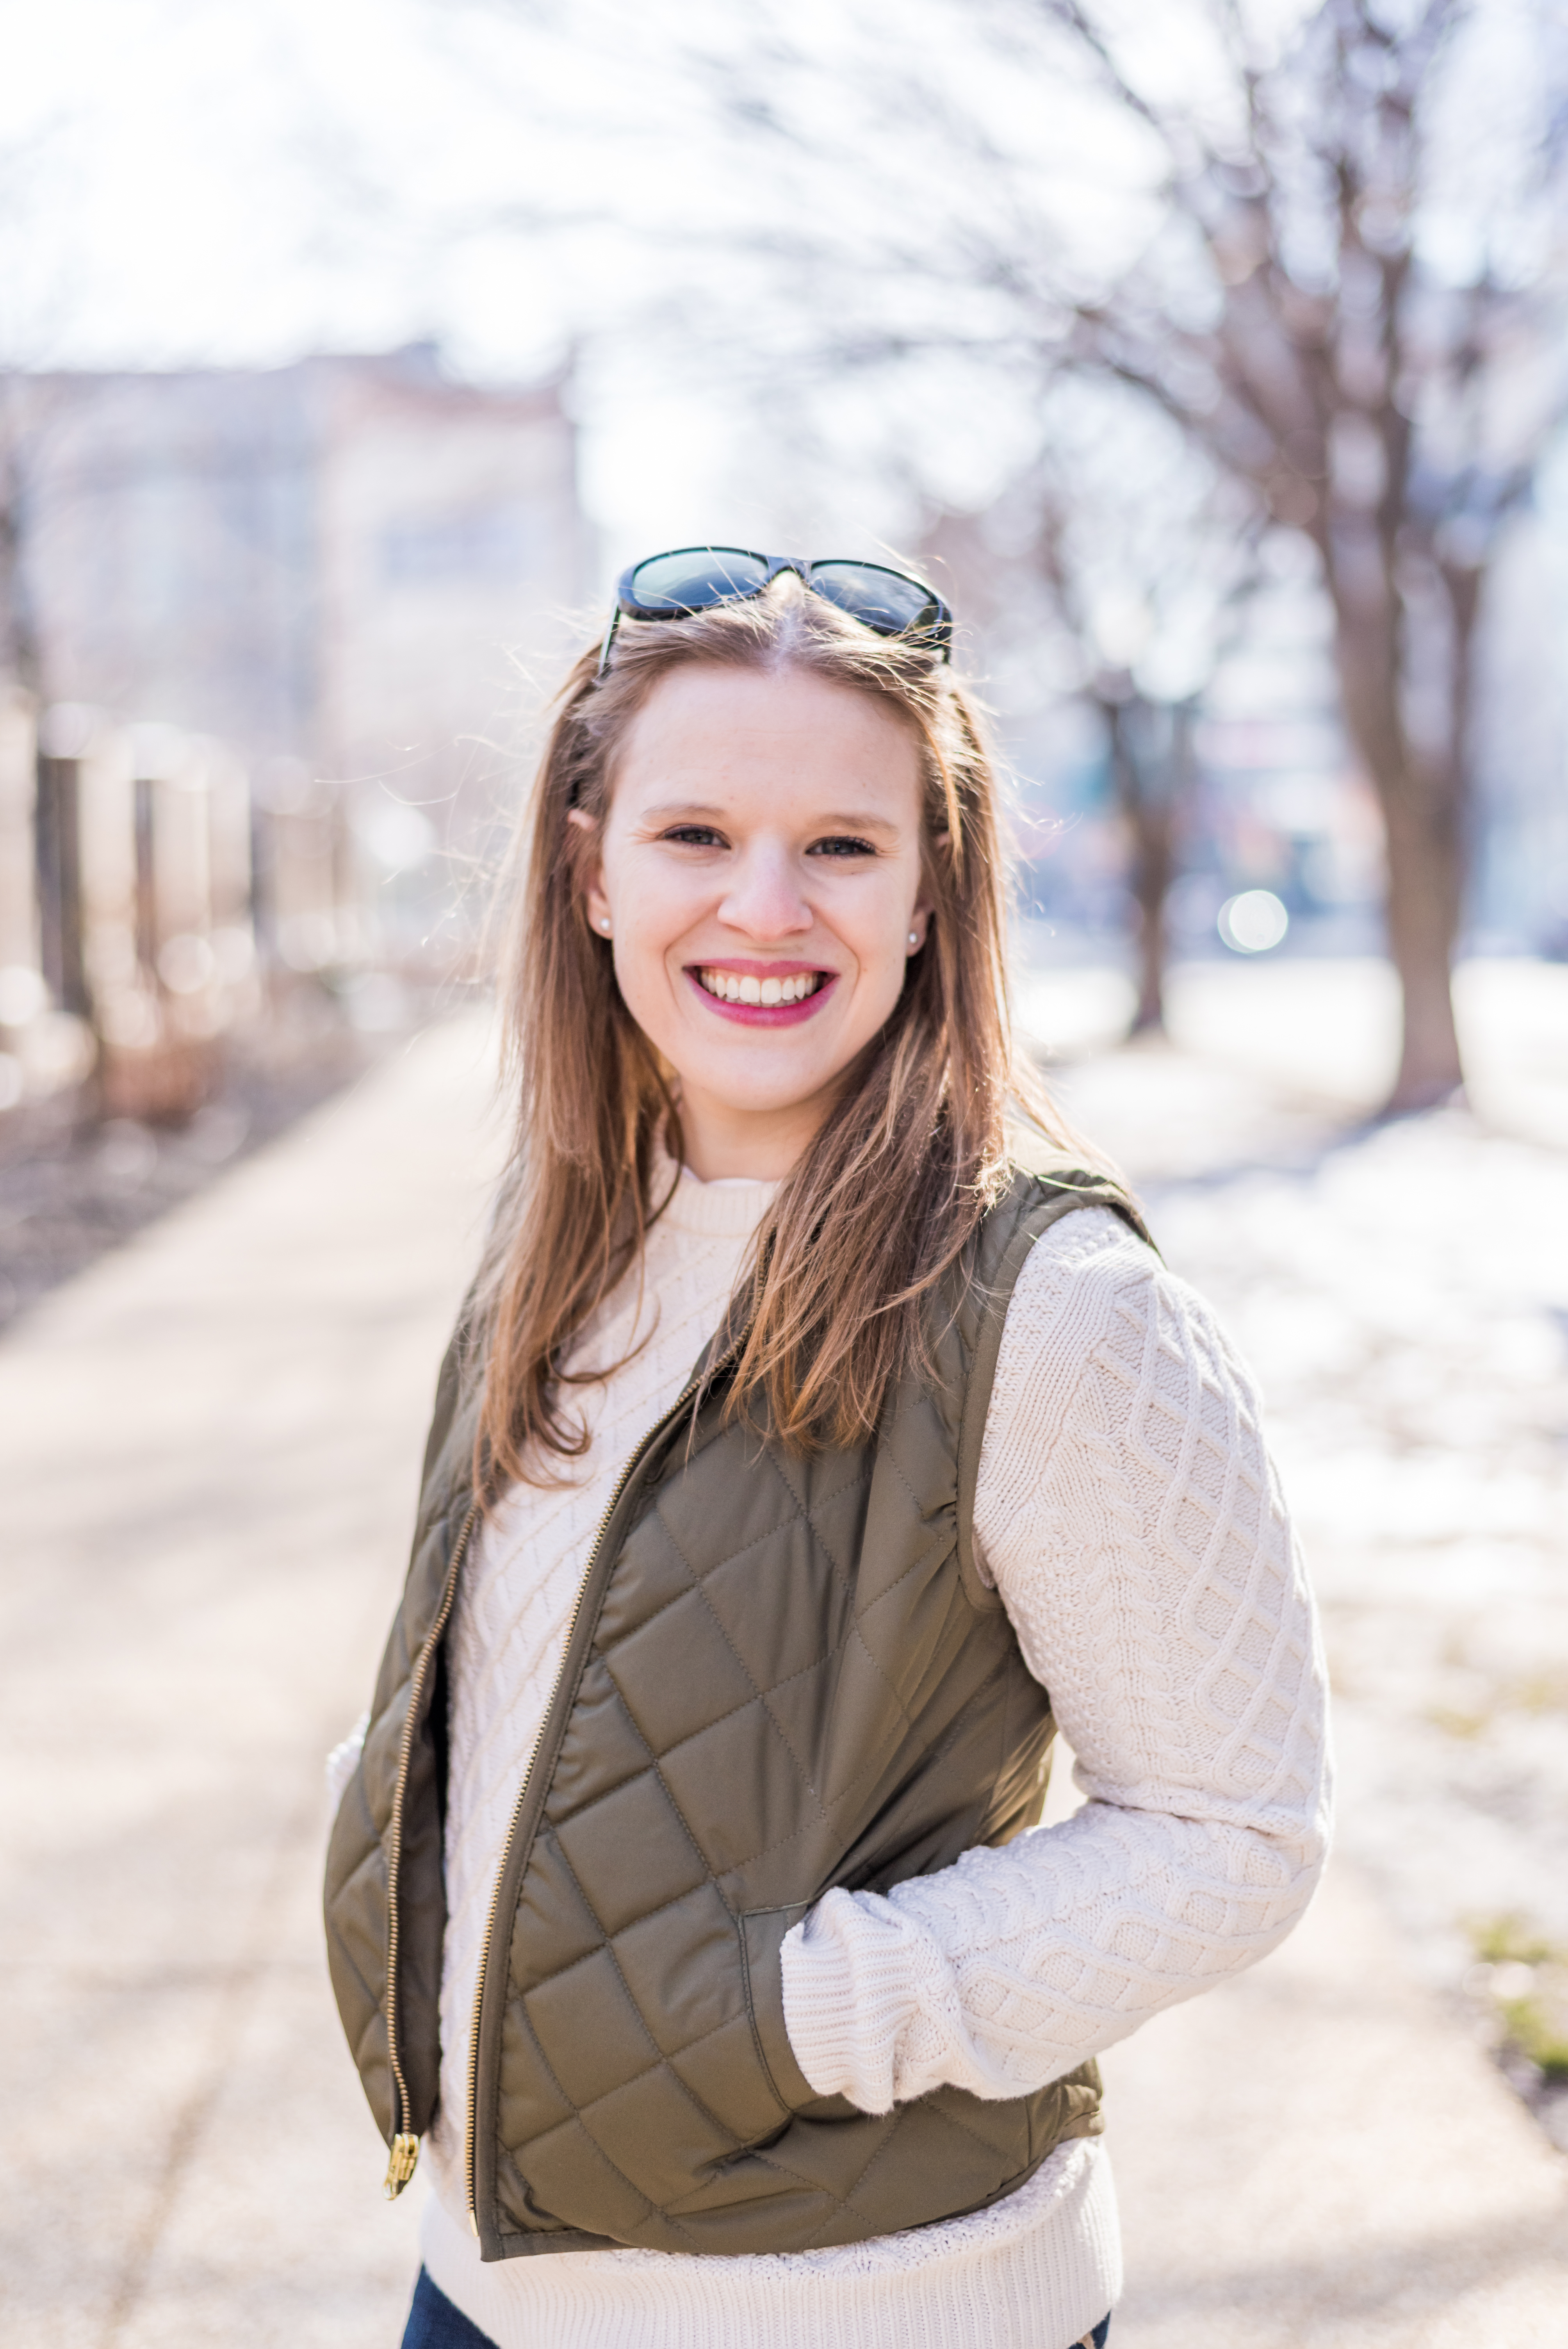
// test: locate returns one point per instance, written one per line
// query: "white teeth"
(731, 987)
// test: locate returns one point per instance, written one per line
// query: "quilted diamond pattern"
(784, 1683)
(785, 1678)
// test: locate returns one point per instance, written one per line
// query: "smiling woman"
(759, 868)
(764, 789)
(795, 1440)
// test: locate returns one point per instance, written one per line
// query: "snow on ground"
(1402, 1291)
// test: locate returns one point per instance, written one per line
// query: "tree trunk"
(1151, 873)
(1425, 886)
(21, 655)
(1422, 800)
(57, 837)
(1149, 779)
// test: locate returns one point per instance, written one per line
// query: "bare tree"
(28, 404)
(21, 657)
(1375, 400)
(1328, 256)
(1130, 549)
(31, 313)
(1152, 771)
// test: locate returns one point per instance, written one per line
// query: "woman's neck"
(723, 1143)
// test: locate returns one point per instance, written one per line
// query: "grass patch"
(1508, 1940)
(1538, 2026)
(1454, 1724)
(1526, 1978)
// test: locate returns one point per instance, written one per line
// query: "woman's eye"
(694, 835)
(841, 844)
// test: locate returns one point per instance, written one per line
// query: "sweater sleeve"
(1129, 1518)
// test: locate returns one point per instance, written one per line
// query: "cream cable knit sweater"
(1127, 1514)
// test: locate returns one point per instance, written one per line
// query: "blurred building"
(263, 643)
(322, 561)
(332, 567)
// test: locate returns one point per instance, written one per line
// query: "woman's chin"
(703, 1091)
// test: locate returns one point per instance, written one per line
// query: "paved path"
(1314, 2158)
(211, 1443)
(211, 1446)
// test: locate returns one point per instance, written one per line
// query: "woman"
(794, 1444)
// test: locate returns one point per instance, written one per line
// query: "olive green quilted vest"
(783, 1674)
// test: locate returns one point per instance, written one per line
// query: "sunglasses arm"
(609, 640)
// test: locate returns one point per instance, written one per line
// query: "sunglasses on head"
(695, 578)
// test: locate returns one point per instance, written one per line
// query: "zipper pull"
(401, 2165)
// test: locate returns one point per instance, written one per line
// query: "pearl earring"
(913, 938)
(605, 922)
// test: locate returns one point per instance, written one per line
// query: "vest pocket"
(762, 1933)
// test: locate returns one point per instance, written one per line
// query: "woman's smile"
(762, 994)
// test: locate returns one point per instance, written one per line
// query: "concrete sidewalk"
(1314, 2158)
(211, 1449)
(211, 1444)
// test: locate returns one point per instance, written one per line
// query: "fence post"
(58, 853)
(148, 940)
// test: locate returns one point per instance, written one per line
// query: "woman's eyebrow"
(857, 819)
(821, 820)
(668, 810)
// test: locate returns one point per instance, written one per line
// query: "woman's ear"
(593, 878)
(923, 910)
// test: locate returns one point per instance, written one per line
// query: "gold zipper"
(703, 1378)
(403, 2150)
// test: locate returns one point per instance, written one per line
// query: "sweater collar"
(730, 1208)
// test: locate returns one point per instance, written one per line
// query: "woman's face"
(760, 880)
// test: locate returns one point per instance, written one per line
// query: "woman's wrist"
(849, 1997)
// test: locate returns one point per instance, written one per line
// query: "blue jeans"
(435, 2324)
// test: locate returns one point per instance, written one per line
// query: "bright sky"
(238, 181)
(192, 181)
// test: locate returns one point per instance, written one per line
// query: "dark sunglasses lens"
(695, 578)
(882, 600)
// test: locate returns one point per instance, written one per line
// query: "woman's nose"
(765, 899)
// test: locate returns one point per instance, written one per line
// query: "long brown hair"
(841, 1275)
